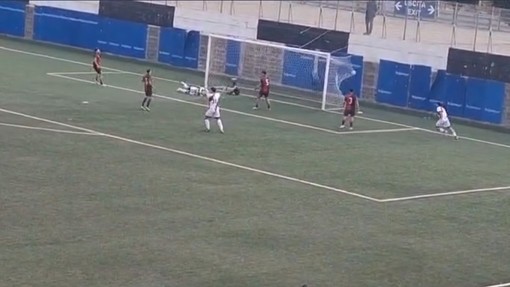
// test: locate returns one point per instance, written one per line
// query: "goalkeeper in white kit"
(213, 110)
(443, 124)
(192, 90)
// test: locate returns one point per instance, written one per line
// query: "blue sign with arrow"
(421, 9)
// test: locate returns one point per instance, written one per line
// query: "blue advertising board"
(494, 102)
(393, 83)
(307, 72)
(418, 9)
(12, 18)
(179, 47)
(303, 71)
(437, 89)
(112, 38)
(475, 89)
(66, 27)
(233, 58)
(171, 46)
(454, 94)
(419, 87)
(191, 50)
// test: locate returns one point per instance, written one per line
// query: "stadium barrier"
(177, 47)
(470, 98)
(397, 84)
(90, 31)
(12, 18)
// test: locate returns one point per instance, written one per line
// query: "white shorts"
(193, 91)
(443, 123)
(213, 113)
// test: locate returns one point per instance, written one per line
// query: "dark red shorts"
(148, 91)
(264, 94)
(96, 68)
(349, 113)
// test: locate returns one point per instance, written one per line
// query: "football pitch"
(96, 192)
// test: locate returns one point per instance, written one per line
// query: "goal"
(298, 76)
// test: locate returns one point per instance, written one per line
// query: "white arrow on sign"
(431, 10)
(398, 6)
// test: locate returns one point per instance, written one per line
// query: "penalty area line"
(282, 102)
(197, 156)
(243, 113)
(451, 193)
(47, 129)
(83, 73)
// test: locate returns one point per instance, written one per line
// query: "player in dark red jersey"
(263, 90)
(96, 65)
(350, 107)
(147, 86)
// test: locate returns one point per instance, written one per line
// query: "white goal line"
(243, 113)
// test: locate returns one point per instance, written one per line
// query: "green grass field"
(103, 194)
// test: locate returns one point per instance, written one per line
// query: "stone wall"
(261, 57)
(506, 112)
(369, 86)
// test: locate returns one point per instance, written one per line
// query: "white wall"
(216, 23)
(374, 49)
(81, 6)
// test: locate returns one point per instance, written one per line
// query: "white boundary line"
(247, 168)
(83, 73)
(500, 188)
(240, 113)
(500, 285)
(316, 128)
(47, 129)
(192, 155)
(283, 102)
(406, 127)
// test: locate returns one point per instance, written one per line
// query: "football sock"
(343, 122)
(268, 104)
(220, 125)
(144, 101)
(148, 102)
(207, 124)
(350, 124)
(453, 132)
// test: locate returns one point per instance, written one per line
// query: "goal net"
(340, 69)
(298, 76)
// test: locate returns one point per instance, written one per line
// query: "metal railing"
(475, 27)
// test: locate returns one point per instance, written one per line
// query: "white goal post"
(306, 76)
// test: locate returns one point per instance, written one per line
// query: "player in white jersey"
(213, 110)
(443, 124)
(191, 90)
